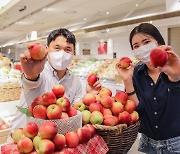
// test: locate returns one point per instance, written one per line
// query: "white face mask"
(143, 53)
(60, 60)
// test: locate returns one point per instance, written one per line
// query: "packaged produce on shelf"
(107, 69)
(104, 69)
(5, 62)
(9, 75)
(85, 67)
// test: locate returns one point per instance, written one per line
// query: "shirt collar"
(49, 67)
(142, 68)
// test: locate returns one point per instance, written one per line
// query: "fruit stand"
(98, 123)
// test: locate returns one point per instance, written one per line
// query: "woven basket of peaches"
(55, 126)
(54, 107)
(114, 118)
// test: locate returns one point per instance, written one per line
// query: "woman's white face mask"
(143, 53)
(60, 60)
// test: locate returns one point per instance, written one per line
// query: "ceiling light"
(23, 23)
(3, 3)
(137, 4)
(107, 30)
(150, 22)
(107, 13)
(70, 12)
(85, 19)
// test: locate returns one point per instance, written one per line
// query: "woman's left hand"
(172, 67)
(95, 88)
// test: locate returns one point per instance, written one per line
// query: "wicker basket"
(119, 138)
(64, 125)
(10, 92)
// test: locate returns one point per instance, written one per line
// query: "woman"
(156, 92)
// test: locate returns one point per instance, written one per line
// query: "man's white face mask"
(60, 60)
(143, 53)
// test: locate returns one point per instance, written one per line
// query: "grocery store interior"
(94, 23)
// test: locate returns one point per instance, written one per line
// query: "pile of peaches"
(105, 109)
(52, 105)
(46, 139)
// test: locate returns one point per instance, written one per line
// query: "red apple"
(121, 97)
(60, 141)
(40, 112)
(37, 51)
(84, 135)
(105, 92)
(110, 120)
(17, 134)
(49, 98)
(72, 139)
(58, 90)
(72, 111)
(54, 111)
(64, 115)
(89, 98)
(125, 117)
(48, 130)
(86, 116)
(79, 106)
(116, 108)
(116, 119)
(106, 111)
(158, 57)
(124, 62)
(64, 103)
(30, 129)
(46, 147)
(92, 79)
(37, 101)
(98, 98)
(25, 145)
(91, 129)
(134, 116)
(95, 107)
(96, 117)
(106, 101)
(130, 106)
(18, 67)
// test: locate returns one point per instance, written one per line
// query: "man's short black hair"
(62, 32)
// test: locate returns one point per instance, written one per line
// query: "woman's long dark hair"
(148, 29)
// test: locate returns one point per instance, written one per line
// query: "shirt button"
(154, 98)
(155, 113)
(156, 126)
(168, 90)
(152, 84)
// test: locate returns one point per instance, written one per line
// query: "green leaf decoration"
(24, 111)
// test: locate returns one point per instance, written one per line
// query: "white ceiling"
(45, 15)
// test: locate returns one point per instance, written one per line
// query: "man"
(40, 76)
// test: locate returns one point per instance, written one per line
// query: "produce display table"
(96, 145)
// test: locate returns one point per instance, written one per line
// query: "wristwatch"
(131, 93)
